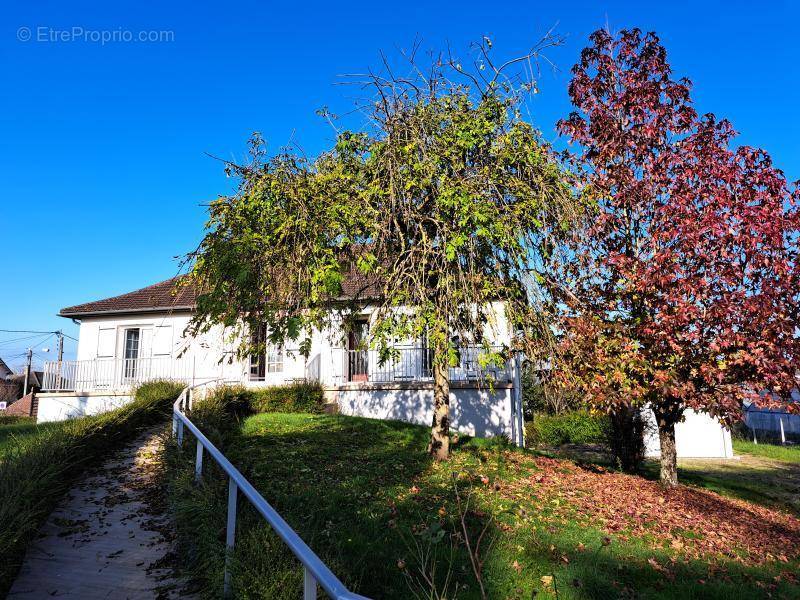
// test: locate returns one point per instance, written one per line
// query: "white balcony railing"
(402, 365)
(415, 364)
(112, 374)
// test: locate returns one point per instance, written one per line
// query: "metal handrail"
(315, 571)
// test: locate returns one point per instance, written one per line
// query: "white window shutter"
(162, 340)
(146, 344)
(106, 341)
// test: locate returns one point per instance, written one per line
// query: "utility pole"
(60, 335)
(27, 372)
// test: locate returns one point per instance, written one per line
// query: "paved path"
(108, 538)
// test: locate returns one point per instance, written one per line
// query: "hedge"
(573, 427)
(41, 466)
(294, 398)
(291, 398)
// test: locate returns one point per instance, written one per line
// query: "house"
(128, 339)
(8, 389)
(767, 422)
(12, 384)
(135, 337)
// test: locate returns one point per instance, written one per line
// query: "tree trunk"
(669, 455)
(439, 446)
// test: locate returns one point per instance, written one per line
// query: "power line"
(22, 339)
(24, 331)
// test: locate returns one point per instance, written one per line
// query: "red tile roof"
(168, 296)
(165, 295)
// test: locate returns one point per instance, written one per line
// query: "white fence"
(112, 374)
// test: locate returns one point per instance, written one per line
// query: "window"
(131, 350)
(274, 359)
(427, 356)
(263, 363)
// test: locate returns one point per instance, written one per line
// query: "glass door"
(357, 355)
(131, 353)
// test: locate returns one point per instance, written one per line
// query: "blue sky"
(103, 146)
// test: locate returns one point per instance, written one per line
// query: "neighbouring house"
(8, 389)
(12, 386)
(697, 436)
(138, 336)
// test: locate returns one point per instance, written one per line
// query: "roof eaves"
(125, 311)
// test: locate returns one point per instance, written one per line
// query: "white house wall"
(475, 412)
(212, 356)
(63, 406)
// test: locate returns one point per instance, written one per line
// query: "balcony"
(332, 367)
(112, 374)
(414, 365)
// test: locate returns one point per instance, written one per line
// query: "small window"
(274, 359)
(270, 362)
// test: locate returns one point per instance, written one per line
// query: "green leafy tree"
(448, 205)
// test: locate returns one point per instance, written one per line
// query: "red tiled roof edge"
(170, 296)
(165, 295)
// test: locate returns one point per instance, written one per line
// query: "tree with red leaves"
(684, 290)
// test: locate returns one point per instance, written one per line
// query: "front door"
(357, 355)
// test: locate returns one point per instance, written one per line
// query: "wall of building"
(212, 355)
(163, 336)
(473, 411)
(65, 405)
(698, 436)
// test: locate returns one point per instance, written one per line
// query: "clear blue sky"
(102, 147)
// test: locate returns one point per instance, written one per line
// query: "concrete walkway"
(108, 538)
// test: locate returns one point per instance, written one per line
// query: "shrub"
(294, 398)
(574, 427)
(221, 410)
(40, 467)
(540, 395)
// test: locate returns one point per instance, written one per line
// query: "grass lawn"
(13, 430)
(783, 453)
(764, 481)
(365, 497)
